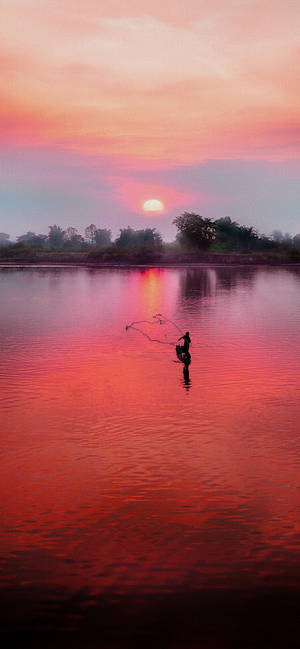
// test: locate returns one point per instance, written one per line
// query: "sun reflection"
(152, 288)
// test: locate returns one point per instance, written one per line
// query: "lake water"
(139, 497)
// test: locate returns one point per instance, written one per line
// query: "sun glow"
(153, 205)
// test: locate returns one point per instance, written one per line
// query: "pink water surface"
(120, 472)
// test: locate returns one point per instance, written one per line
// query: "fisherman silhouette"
(186, 344)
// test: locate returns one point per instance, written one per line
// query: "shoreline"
(127, 265)
(167, 260)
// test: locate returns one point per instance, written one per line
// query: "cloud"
(196, 102)
(215, 75)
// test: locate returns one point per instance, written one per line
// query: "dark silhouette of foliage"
(28, 236)
(195, 232)
(72, 238)
(4, 239)
(102, 237)
(284, 241)
(234, 237)
(227, 234)
(296, 241)
(248, 237)
(19, 250)
(56, 236)
(148, 239)
(264, 243)
(90, 233)
(126, 238)
(32, 239)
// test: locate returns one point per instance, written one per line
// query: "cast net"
(159, 329)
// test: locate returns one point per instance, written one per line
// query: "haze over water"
(120, 475)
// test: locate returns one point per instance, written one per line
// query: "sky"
(107, 104)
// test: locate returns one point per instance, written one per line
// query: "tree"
(296, 241)
(149, 238)
(90, 233)
(72, 238)
(102, 237)
(248, 237)
(56, 236)
(283, 240)
(232, 236)
(25, 238)
(195, 231)
(288, 241)
(32, 239)
(264, 243)
(126, 238)
(227, 233)
(4, 239)
(277, 236)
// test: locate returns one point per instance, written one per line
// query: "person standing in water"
(186, 343)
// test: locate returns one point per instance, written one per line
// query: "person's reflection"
(186, 377)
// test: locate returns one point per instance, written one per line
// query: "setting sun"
(153, 205)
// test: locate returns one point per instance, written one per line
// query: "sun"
(153, 205)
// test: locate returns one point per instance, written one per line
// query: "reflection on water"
(198, 283)
(128, 474)
(186, 377)
(201, 283)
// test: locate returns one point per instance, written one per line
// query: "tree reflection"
(230, 278)
(199, 283)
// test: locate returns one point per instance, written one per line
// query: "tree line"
(57, 238)
(194, 233)
(198, 233)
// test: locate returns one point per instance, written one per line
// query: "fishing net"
(158, 330)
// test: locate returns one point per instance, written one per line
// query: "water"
(127, 482)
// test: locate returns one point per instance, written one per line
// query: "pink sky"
(104, 105)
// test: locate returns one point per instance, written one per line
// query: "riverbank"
(166, 259)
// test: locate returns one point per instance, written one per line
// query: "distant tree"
(148, 238)
(102, 237)
(288, 240)
(72, 238)
(277, 236)
(24, 238)
(233, 236)
(32, 239)
(4, 239)
(70, 233)
(195, 231)
(90, 233)
(227, 233)
(126, 238)
(56, 236)
(284, 240)
(248, 237)
(296, 241)
(264, 243)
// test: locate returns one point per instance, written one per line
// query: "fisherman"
(186, 343)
